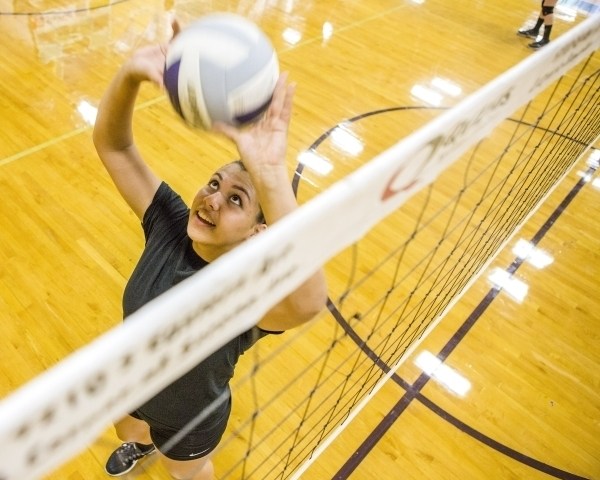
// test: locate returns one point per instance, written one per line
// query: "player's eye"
(236, 199)
(214, 184)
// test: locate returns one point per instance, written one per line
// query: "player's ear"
(259, 227)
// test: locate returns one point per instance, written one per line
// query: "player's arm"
(262, 148)
(299, 307)
(113, 131)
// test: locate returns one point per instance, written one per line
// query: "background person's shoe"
(531, 33)
(539, 44)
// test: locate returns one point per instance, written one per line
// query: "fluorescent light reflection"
(593, 160)
(327, 31)
(87, 111)
(289, 6)
(501, 279)
(586, 176)
(427, 95)
(346, 141)
(446, 86)
(315, 162)
(436, 91)
(443, 374)
(565, 13)
(292, 36)
(535, 256)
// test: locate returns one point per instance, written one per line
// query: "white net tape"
(56, 415)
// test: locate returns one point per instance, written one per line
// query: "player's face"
(224, 212)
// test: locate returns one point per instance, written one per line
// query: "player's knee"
(130, 429)
(192, 471)
(547, 10)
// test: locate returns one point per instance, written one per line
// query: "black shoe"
(539, 44)
(124, 458)
(531, 33)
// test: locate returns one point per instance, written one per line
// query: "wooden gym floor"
(68, 244)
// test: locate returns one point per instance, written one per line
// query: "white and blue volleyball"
(221, 68)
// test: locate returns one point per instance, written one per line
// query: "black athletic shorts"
(197, 443)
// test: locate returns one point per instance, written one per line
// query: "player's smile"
(205, 219)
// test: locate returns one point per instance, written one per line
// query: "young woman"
(239, 201)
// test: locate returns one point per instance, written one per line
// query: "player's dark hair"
(260, 218)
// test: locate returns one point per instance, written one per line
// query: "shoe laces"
(129, 452)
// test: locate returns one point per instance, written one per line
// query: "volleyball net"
(510, 143)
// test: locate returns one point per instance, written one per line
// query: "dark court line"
(413, 392)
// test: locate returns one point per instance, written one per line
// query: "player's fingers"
(176, 28)
(286, 111)
(279, 95)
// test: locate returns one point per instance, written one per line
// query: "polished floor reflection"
(516, 395)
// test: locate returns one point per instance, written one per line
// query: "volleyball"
(220, 68)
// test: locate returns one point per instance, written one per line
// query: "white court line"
(64, 136)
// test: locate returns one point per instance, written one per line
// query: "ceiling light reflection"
(427, 95)
(593, 160)
(87, 111)
(585, 176)
(289, 6)
(346, 141)
(292, 36)
(565, 13)
(446, 376)
(436, 91)
(535, 256)
(315, 162)
(327, 31)
(446, 86)
(501, 279)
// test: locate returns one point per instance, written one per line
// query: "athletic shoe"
(124, 458)
(531, 33)
(539, 44)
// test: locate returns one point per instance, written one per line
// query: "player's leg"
(535, 30)
(132, 429)
(188, 456)
(196, 469)
(548, 16)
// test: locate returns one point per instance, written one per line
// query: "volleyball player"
(545, 18)
(237, 202)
